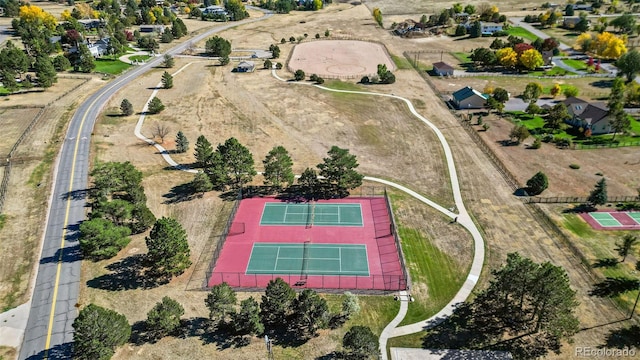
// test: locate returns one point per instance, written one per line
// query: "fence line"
(5, 183)
(396, 238)
(223, 238)
(377, 284)
(578, 146)
(577, 199)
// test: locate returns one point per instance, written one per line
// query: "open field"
(25, 203)
(262, 112)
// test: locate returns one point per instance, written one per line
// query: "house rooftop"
(594, 113)
(442, 65)
(467, 92)
(574, 100)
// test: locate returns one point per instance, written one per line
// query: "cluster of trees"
(384, 76)
(118, 209)
(286, 6)
(99, 331)
(604, 45)
(220, 47)
(527, 309)
(513, 53)
(231, 165)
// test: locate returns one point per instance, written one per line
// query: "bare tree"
(161, 131)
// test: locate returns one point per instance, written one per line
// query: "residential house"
(92, 23)
(468, 98)
(582, 7)
(99, 48)
(588, 115)
(442, 354)
(442, 69)
(570, 22)
(152, 28)
(488, 28)
(245, 66)
(214, 10)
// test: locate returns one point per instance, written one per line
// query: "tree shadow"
(66, 255)
(332, 355)
(58, 352)
(521, 192)
(623, 338)
(605, 263)
(602, 83)
(179, 193)
(611, 286)
(127, 274)
(582, 208)
(79, 194)
(204, 329)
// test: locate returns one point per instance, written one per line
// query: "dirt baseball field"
(339, 58)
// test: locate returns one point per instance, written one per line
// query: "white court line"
(275, 266)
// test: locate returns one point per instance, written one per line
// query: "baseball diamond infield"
(339, 58)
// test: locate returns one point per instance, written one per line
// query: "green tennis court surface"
(635, 216)
(310, 259)
(312, 214)
(605, 219)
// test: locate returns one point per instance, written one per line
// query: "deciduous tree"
(556, 117)
(519, 133)
(278, 167)
(168, 253)
(531, 59)
(507, 57)
(377, 16)
(97, 332)
(160, 130)
(299, 75)
(629, 64)
(555, 90)
(532, 92)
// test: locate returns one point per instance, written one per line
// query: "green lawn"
(139, 57)
(530, 121)
(342, 85)
(431, 268)
(576, 64)
(521, 32)
(4, 91)
(401, 62)
(108, 66)
(463, 57)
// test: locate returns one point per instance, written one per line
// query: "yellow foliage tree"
(152, 17)
(531, 59)
(488, 89)
(33, 14)
(555, 90)
(507, 57)
(583, 42)
(66, 15)
(609, 46)
(494, 9)
(317, 4)
(377, 16)
(85, 10)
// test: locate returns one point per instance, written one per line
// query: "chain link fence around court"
(258, 282)
(577, 199)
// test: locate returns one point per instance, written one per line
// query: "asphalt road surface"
(49, 333)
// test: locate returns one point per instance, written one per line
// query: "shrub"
(282, 41)
(485, 126)
(574, 166)
(299, 75)
(317, 36)
(547, 138)
(537, 143)
(313, 77)
(292, 39)
(365, 80)
(319, 80)
(267, 64)
(537, 184)
(279, 66)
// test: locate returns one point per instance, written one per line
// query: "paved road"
(49, 333)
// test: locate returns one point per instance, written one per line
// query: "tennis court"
(635, 216)
(605, 219)
(337, 214)
(308, 259)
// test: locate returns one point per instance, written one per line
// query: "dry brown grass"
(262, 112)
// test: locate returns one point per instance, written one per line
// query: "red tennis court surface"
(385, 269)
(613, 220)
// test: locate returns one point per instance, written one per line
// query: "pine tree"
(203, 151)
(164, 318)
(276, 303)
(182, 144)
(168, 253)
(537, 184)
(221, 302)
(201, 183)
(598, 195)
(97, 332)
(247, 320)
(45, 71)
(167, 80)
(86, 59)
(278, 167)
(155, 106)
(126, 107)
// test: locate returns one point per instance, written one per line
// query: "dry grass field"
(26, 197)
(262, 112)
